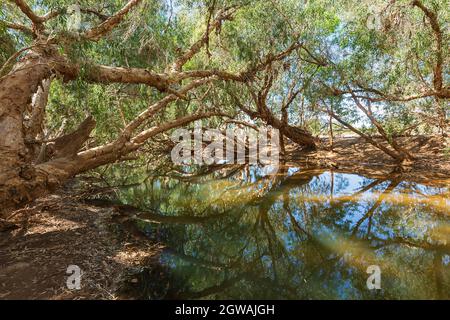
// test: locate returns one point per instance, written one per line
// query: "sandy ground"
(58, 231)
(354, 155)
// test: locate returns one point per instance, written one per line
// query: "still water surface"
(247, 234)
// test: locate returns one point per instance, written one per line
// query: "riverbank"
(355, 155)
(61, 230)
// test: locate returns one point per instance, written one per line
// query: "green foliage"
(7, 47)
(391, 56)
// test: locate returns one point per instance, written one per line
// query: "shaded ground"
(60, 230)
(42, 240)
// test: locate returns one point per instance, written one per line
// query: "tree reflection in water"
(240, 233)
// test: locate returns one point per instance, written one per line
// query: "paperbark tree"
(265, 113)
(30, 166)
(363, 96)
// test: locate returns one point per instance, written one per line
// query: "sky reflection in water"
(299, 235)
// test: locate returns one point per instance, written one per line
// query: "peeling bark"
(16, 91)
(69, 144)
(20, 180)
(34, 125)
(25, 175)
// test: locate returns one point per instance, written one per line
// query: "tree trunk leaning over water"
(30, 166)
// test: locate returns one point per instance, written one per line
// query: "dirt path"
(57, 231)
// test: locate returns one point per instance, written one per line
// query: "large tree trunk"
(21, 178)
(295, 134)
(16, 92)
(30, 166)
(300, 136)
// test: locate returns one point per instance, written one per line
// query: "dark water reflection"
(245, 234)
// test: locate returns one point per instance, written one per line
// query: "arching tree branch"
(106, 26)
